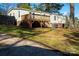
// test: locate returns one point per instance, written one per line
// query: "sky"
(77, 10)
(65, 10)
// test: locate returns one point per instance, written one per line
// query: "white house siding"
(54, 18)
(17, 14)
(57, 19)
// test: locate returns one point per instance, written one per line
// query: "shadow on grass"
(21, 32)
(27, 50)
(75, 34)
(4, 37)
(73, 38)
(12, 50)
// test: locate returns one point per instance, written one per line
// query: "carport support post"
(30, 24)
(18, 23)
(41, 24)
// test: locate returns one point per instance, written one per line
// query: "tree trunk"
(72, 21)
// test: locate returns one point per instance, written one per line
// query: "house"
(17, 13)
(37, 18)
(57, 20)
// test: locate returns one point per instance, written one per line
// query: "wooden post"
(41, 24)
(44, 24)
(30, 24)
(18, 23)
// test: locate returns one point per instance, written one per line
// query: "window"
(54, 17)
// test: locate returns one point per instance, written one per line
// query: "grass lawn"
(64, 40)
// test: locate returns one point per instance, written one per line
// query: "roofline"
(33, 11)
(18, 9)
(27, 10)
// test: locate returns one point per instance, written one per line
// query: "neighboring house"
(39, 17)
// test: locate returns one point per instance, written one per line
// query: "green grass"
(62, 39)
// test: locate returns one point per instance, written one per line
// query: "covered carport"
(36, 20)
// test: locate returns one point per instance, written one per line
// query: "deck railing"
(36, 17)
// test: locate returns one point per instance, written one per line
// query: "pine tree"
(24, 5)
(50, 7)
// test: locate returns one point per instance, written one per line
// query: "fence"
(7, 20)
